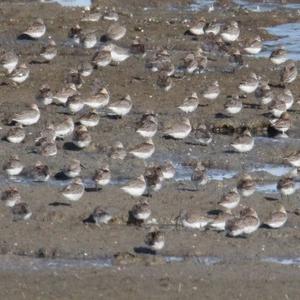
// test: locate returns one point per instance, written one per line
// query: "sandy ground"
(58, 231)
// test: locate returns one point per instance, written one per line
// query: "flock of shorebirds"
(152, 180)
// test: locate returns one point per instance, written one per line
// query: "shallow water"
(265, 6)
(289, 37)
(73, 3)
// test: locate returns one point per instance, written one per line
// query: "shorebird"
(143, 150)
(46, 135)
(67, 91)
(246, 186)
(154, 179)
(65, 128)
(28, 117)
(45, 95)
(98, 100)
(118, 151)
(102, 58)
(36, 30)
(149, 126)
(250, 84)
(294, 159)
(199, 176)
(75, 104)
(141, 211)
(16, 134)
(282, 124)
(81, 137)
(244, 142)
(190, 63)
(287, 97)
(48, 148)
(190, 103)
(231, 32)
(115, 32)
(253, 46)
(277, 218)
(264, 93)
(14, 166)
(122, 107)
(286, 185)
(155, 239)
(89, 119)
(179, 130)
(233, 106)
(136, 187)
(212, 92)
(193, 220)
(279, 56)
(231, 199)
(164, 81)
(198, 27)
(49, 51)
(88, 40)
(11, 196)
(9, 61)
(111, 16)
(101, 216)
(19, 74)
(202, 135)
(21, 211)
(219, 221)
(212, 28)
(39, 172)
(74, 191)
(72, 169)
(168, 169)
(289, 73)
(102, 176)
(85, 69)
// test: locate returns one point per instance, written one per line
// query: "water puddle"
(265, 6)
(275, 170)
(271, 188)
(289, 37)
(72, 3)
(287, 261)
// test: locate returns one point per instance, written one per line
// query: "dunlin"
(219, 221)
(277, 218)
(46, 135)
(115, 32)
(199, 176)
(21, 211)
(9, 61)
(231, 199)
(102, 176)
(283, 124)
(253, 46)
(101, 216)
(67, 91)
(72, 169)
(193, 220)
(250, 84)
(88, 40)
(190, 104)
(91, 17)
(75, 104)
(45, 96)
(198, 27)
(190, 63)
(49, 51)
(143, 150)
(168, 169)
(149, 126)
(286, 185)
(294, 159)
(98, 100)
(85, 69)
(164, 81)
(231, 32)
(118, 54)
(65, 128)
(289, 73)
(11, 197)
(287, 97)
(264, 93)
(121, 107)
(154, 179)
(14, 166)
(233, 106)
(244, 142)
(155, 239)
(212, 92)
(74, 191)
(36, 30)
(19, 74)
(212, 28)
(102, 58)
(279, 56)
(111, 16)
(202, 135)
(246, 186)
(118, 151)
(81, 137)
(40, 172)
(16, 134)
(141, 211)
(48, 148)
(136, 187)
(28, 117)
(179, 130)
(277, 108)
(89, 119)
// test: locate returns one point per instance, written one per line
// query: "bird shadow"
(70, 146)
(133, 221)
(222, 116)
(25, 37)
(57, 203)
(61, 176)
(89, 220)
(252, 105)
(214, 212)
(187, 189)
(38, 62)
(92, 189)
(269, 198)
(230, 152)
(144, 250)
